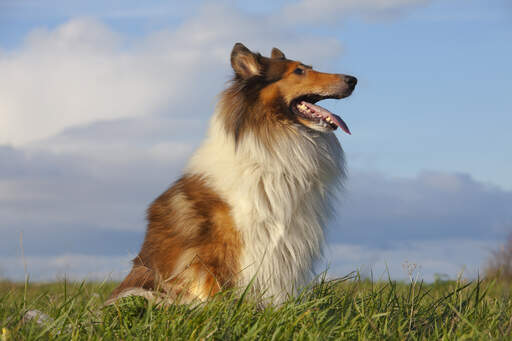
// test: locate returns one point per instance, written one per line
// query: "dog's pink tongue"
(326, 113)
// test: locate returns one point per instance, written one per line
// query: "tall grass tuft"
(499, 264)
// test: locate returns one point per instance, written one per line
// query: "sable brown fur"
(188, 216)
(242, 104)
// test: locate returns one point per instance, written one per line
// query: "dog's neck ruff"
(280, 198)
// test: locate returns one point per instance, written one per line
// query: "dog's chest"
(279, 203)
(282, 232)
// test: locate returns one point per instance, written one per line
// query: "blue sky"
(102, 102)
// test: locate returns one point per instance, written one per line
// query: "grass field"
(350, 309)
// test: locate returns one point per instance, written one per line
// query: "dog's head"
(279, 90)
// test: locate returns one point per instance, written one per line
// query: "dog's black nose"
(351, 81)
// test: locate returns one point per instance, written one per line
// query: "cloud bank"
(81, 71)
(70, 206)
(433, 205)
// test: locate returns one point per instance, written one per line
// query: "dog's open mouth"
(306, 108)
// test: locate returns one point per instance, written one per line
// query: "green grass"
(350, 309)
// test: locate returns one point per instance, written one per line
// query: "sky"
(103, 102)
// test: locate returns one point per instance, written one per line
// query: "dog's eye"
(298, 71)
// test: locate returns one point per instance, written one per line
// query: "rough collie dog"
(253, 201)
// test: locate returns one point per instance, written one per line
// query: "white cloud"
(72, 75)
(330, 11)
(82, 71)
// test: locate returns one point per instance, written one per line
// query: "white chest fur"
(279, 198)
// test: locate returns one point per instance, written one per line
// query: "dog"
(252, 204)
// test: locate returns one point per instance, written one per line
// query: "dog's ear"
(277, 54)
(244, 62)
